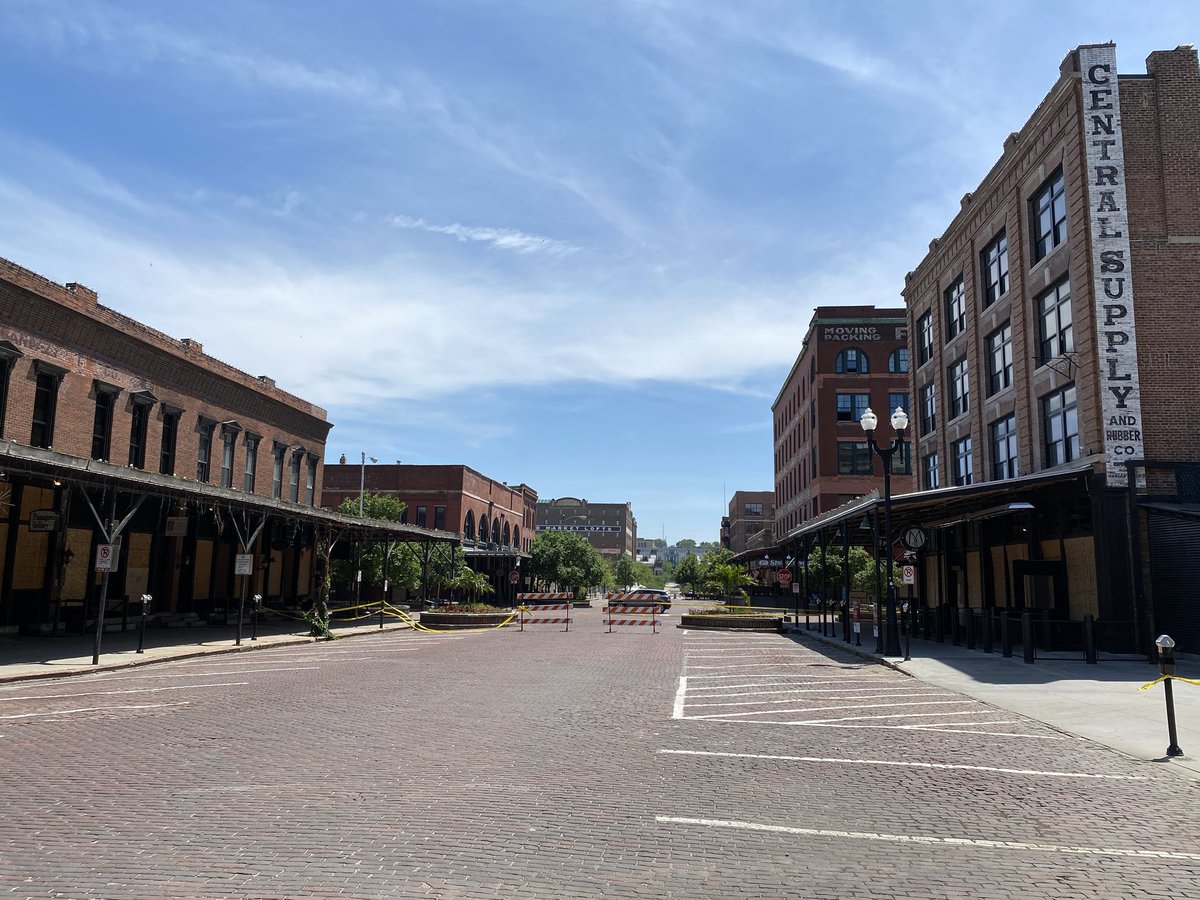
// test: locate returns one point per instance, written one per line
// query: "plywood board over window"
(35, 498)
(973, 576)
(79, 542)
(1081, 576)
(137, 575)
(201, 569)
(303, 580)
(999, 576)
(29, 563)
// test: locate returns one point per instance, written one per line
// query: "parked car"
(661, 598)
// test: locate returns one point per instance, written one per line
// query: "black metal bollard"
(970, 623)
(1005, 635)
(254, 617)
(1089, 639)
(1166, 665)
(1027, 636)
(146, 601)
(988, 637)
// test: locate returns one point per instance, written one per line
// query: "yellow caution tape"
(1144, 687)
(417, 626)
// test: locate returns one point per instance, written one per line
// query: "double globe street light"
(899, 423)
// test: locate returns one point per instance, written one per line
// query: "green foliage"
(729, 580)
(318, 616)
(687, 543)
(862, 570)
(473, 584)
(568, 560)
(688, 574)
(375, 553)
(624, 571)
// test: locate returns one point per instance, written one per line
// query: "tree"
(660, 542)
(373, 557)
(686, 543)
(568, 560)
(624, 571)
(862, 571)
(473, 584)
(729, 580)
(688, 573)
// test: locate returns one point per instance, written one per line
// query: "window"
(898, 361)
(45, 403)
(170, 431)
(902, 459)
(277, 454)
(993, 262)
(503, 536)
(421, 516)
(1004, 448)
(1054, 314)
(900, 400)
(439, 518)
(928, 409)
(139, 425)
(850, 407)
(962, 461)
(930, 471)
(496, 531)
(956, 309)
(753, 509)
(106, 400)
(469, 526)
(1049, 211)
(251, 463)
(960, 394)
(483, 529)
(294, 483)
(228, 439)
(851, 361)
(204, 450)
(925, 338)
(6, 366)
(854, 458)
(1060, 421)
(310, 482)
(1000, 359)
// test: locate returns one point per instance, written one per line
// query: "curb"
(861, 652)
(290, 641)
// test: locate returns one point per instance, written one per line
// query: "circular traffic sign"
(914, 538)
(514, 576)
(784, 577)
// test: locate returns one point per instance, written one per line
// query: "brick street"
(579, 764)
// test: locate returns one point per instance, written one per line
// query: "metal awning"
(20, 459)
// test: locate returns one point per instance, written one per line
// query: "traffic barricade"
(632, 608)
(535, 606)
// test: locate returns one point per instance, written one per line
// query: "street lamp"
(362, 485)
(899, 424)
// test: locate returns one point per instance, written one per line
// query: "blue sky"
(575, 244)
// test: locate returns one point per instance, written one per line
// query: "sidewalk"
(47, 657)
(1100, 702)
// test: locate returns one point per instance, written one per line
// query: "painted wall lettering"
(1113, 276)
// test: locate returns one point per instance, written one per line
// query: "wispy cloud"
(501, 238)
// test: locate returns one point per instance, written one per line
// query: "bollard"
(988, 638)
(1027, 635)
(1006, 635)
(970, 623)
(1089, 639)
(146, 601)
(1166, 665)
(907, 632)
(254, 617)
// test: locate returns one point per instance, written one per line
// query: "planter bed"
(465, 620)
(732, 623)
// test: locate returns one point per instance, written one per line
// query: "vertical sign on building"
(1108, 215)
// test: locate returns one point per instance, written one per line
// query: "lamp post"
(362, 486)
(899, 424)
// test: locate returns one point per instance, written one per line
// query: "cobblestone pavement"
(551, 764)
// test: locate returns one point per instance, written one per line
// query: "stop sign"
(784, 577)
(514, 576)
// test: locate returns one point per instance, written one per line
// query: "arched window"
(496, 531)
(851, 361)
(483, 528)
(505, 541)
(516, 537)
(469, 526)
(898, 361)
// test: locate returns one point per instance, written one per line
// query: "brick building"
(749, 514)
(186, 460)
(496, 521)
(609, 527)
(1034, 390)
(853, 357)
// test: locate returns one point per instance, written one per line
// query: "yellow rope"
(1144, 687)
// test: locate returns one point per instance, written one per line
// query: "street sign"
(909, 573)
(784, 577)
(243, 564)
(514, 576)
(176, 526)
(104, 557)
(43, 520)
(795, 587)
(914, 537)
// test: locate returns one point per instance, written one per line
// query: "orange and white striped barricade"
(534, 607)
(632, 608)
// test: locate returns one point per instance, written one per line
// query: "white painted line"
(108, 678)
(824, 690)
(885, 675)
(822, 699)
(774, 712)
(179, 687)
(982, 843)
(88, 709)
(758, 666)
(906, 764)
(803, 724)
(677, 713)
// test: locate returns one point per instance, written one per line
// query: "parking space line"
(982, 843)
(822, 699)
(882, 675)
(89, 709)
(752, 665)
(179, 687)
(680, 694)
(910, 728)
(771, 712)
(708, 692)
(110, 678)
(905, 764)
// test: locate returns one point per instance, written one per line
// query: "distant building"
(853, 357)
(749, 513)
(609, 527)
